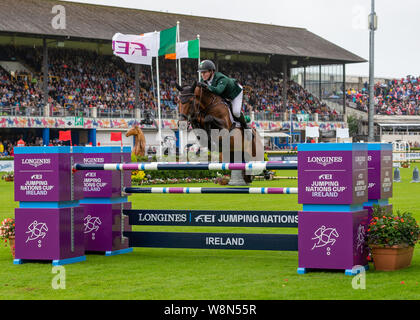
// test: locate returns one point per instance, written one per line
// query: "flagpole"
(198, 37)
(178, 39)
(159, 115)
(153, 80)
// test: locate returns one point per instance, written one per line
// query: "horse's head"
(186, 102)
(133, 131)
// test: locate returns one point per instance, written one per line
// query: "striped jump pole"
(263, 165)
(212, 190)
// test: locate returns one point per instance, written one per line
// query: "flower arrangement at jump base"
(8, 177)
(405, 164)
(138, 176)
(141, 178)
(392, 238)
(7, 233)
(222, 179)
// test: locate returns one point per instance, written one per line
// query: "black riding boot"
(242, 121)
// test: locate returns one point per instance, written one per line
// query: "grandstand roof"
(87, 21)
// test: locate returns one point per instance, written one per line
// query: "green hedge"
(179, 174)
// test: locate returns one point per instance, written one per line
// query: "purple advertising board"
(49, 233)
(332, 240)
(379, 171)
(102, 183)
(103, 228)
(333, 173)
(44, 174)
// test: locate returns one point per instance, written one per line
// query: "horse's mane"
(210, 94)
(200, 91)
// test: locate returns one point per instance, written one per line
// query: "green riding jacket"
(224, 86)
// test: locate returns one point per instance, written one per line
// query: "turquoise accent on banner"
(332, 146)
(381, 202)
(68, 261)
(379, 146)
(332, 207)
(36, 150)
(116, 252)
(48, 205)
(103, 200)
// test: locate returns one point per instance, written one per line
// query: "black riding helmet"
(206, 65)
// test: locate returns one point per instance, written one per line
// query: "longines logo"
(36, 162)
(325, 161)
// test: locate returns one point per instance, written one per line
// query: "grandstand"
(51, 79)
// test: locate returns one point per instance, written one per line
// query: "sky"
(344, 23)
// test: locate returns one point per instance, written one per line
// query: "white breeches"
(237, 104)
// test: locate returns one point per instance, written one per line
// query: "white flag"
(188, 49)
(135, 48)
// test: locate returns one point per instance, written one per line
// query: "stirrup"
(233, 126)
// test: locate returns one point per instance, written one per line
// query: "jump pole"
(213, 190)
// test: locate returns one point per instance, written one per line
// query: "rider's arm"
(220, 87)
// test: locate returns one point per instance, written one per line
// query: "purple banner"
(49, 234)
(332, 240)
(102, 226)
(44, 177)
(332, 177)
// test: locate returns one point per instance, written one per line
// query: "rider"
(223, 86)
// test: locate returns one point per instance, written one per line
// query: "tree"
(353, 125)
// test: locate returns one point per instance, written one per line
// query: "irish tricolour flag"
(141, 48)
(186, 49)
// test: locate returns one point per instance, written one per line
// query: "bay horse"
(139, 141)
(206, 110)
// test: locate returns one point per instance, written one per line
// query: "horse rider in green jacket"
(223, 86)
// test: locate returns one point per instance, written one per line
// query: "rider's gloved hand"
(202, 85)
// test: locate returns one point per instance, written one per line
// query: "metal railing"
(70, 111)
(21, 111)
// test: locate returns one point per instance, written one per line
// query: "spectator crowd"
(394, 97)
(81, 79)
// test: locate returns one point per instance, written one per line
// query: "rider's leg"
(237, 105)
(237, 110)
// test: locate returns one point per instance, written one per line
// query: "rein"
(197, 111)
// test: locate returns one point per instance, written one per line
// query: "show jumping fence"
(74, 200)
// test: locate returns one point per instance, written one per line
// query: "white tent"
(276, 135)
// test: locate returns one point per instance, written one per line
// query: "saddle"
(235, 122)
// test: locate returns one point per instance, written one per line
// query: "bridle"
(196, 111)
(183, 99)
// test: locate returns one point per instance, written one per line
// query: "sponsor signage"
(213, 218)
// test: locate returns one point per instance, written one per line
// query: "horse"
(206, 110)
(140, 141)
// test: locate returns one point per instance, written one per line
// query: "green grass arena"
(197, 274)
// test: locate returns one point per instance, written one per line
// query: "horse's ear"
(178, 86)
(175, 84)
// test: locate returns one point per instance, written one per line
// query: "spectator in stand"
(20, 142)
